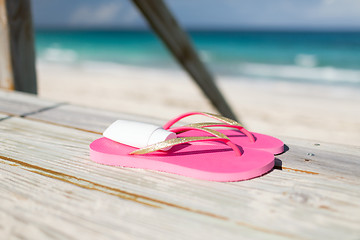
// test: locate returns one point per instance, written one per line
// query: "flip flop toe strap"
(177, 141)
(214, 124)
(229, 123)
(198, 128)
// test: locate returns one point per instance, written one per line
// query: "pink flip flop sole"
(213, 161)
(262, 142)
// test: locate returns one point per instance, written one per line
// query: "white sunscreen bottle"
(137, 134)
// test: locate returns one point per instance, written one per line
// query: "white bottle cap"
(137, 134)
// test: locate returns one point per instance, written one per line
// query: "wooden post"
(165, 25)
(6, 76)
(17, 55)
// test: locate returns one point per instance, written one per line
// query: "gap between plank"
(43, 109)
(5, 118)
(25, 115)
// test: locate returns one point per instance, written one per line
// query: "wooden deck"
(50, 189)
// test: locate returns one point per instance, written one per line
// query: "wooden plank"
(289, 204)
(75, 206)
(332, 160)
(17, 65)
(303, 155)
(17, 103)
(299, 157)
(88, 119)
(55, 209)
(166, 27)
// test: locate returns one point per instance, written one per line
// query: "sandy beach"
(309, 111)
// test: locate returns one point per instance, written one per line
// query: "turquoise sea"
(319, 57)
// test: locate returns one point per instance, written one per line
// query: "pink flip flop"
(200, 160)
(200, 157)
(238, 134)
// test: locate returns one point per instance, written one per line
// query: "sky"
(203, 14)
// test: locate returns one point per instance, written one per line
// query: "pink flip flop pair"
(221, 151)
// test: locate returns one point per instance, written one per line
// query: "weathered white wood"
(292, 203)
(90, 119)
(23, 104)
(338, 161)
(34, 206)
(17, 103)
(312, 197)
(300, 157)
(17, 64)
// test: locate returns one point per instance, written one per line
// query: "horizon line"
(193, 29)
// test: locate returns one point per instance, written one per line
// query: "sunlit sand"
(315, 112)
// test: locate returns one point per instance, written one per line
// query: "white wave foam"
(325, 74)
(117, 69)
(306, 60)
(205, 56)
(56, 54)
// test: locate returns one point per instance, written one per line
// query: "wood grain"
(94, 120)
(56, 210)
(21, 104)
(262, 204)
(307, 156)
(49, 188)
